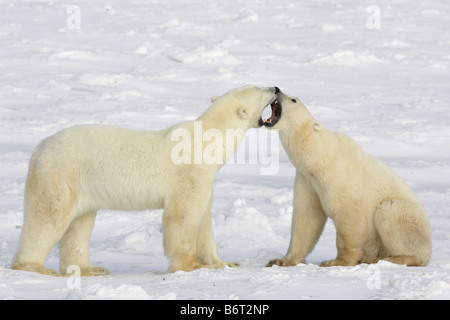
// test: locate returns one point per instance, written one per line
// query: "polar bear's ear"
(242, 113)
(214, 98)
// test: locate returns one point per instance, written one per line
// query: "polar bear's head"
(246, 103)
(287, 111)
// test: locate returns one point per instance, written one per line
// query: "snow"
(150, 64)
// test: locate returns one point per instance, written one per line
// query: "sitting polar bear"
(83, 169)
(376, 215)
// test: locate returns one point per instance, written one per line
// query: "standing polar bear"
(376, 215)
(82, 169)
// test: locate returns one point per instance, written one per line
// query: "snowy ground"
(149, 64)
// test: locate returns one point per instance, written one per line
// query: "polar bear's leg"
(49, 204)
(39, 235)
(74, 246)
(181, 220)
(308, 221)
(206, 248)
(352, 234)
(405, 232)
(36, 241)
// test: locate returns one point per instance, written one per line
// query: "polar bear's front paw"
(275, 262)
(191, 265)
(282, 263)
(337, 262)
(184, 263)
(221, 265)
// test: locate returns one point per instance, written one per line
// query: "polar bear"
(376, 215)
(83, 169)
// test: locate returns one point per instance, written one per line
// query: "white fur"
(83, 169)
(376, 215)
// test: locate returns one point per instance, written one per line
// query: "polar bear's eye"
(294, 101)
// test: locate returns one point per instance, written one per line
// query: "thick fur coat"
(376, 215)
(83, 169)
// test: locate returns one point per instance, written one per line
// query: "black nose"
(277, 90)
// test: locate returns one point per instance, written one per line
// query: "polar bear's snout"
(276, 106)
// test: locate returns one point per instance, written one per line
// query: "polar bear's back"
(350, 173)
(105, 164)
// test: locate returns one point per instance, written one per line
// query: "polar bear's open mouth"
(276, 114)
